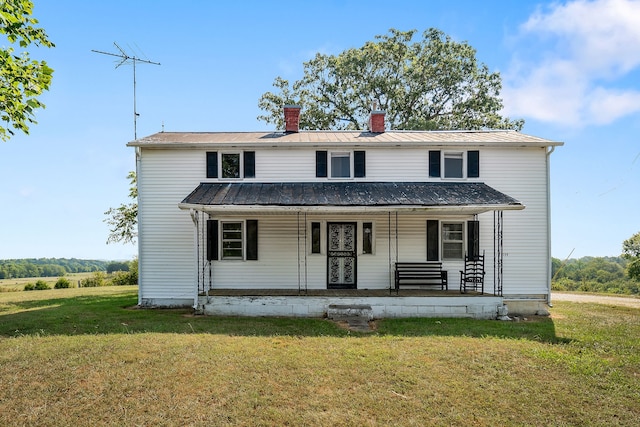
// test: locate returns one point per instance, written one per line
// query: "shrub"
(123, 278)
(62, 283)
(97, 279)
(38, 286)
(41, 285)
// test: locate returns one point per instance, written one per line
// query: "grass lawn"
(85, 357)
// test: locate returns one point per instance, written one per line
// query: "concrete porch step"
(345, 311)
(357, 316)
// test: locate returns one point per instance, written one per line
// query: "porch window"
(315, 237)
(452, 240)
(367, 237)
(232, 240)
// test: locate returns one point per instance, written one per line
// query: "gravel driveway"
(611, 300)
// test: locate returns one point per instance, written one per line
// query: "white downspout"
(549, 261)
(194, 218)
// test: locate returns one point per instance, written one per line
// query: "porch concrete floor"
(343, 293)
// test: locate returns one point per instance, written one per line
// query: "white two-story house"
(291, 222)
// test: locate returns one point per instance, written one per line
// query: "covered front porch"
(290, 272)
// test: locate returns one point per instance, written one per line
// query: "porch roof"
(452, 197)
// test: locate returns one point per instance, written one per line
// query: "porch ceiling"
(457, 197)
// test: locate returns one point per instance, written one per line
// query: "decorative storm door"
(341, 255)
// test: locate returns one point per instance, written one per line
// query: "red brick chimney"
(291, 118)
(376, 121)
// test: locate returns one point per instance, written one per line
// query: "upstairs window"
(451, 164)
(231, 165)
(340, 164)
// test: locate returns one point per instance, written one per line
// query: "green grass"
(85, 357)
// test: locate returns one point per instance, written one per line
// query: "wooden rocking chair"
(472, 278)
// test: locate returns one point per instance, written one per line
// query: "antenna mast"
(127, 58)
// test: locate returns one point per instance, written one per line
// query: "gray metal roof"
(305, 138)
(474, 196)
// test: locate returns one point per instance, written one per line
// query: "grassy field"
(86, 357)
(10, 285)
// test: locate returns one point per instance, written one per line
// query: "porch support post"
(298, 247)
(497, 253)
(390, 265)
(195, 219)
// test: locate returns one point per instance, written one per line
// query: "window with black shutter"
(473, 164)
(434, 164)
(212, 239)
(249, 160)
(212, 164)
(473, 239)
(321, 164)
(359, 168)
(433, 240)
(252, 240)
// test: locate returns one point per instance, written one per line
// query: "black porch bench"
(421, 273)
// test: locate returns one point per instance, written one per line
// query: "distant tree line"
(55, 267)
(595, 274)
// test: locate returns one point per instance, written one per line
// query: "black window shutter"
(252, 239)
(249, 164)
(359, 169)
(473, 239)
(212, 164)
(432, 240)
(321, 164)
(434, 164)
(212, 239)
(473, 164)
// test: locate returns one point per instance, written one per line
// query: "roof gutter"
(279, 209)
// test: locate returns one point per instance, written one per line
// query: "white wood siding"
(520, 173)
(166, 233)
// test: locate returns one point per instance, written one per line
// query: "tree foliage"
(47, 267)
(434, 83)
(631, 252)
(123, 220)
(22, 80)
(594, 274)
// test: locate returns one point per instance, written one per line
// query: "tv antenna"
(133, 59)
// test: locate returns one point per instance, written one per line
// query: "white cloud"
(572, 62)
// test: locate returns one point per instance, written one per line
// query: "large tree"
(631, 251)
(22, 79)
(433, 83)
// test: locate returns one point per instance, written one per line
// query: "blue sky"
(571, 69)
